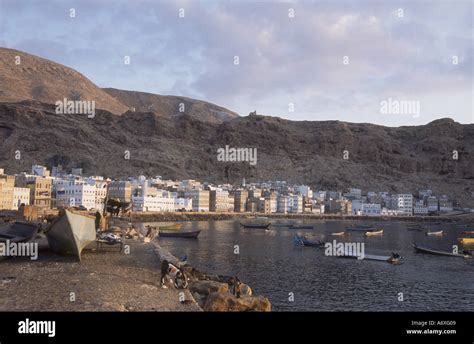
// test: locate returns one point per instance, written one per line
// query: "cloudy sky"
(291, 55)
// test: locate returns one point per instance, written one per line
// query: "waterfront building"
(40, 189)
(100, 194)
(218, 201)
(7, 185)
(357, 207)
(75, 193)
(420, 208)
(295, 204)
(20, 196)
(353, 194)
(304, 190)
(282, 204)
(200, 199)
(432, 204)
(371, 209)
(403, 204)
(445, 205)
(183, 204)
(240, 200)
(121, 190)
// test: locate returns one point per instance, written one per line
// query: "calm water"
(271, 264)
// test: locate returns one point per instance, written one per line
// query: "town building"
(218, 201)
(432, 204)
(371, 209)
(7, 185)
(403, 204)
(20, 196)
(75, 193)
(40, 189)
(121, 190)
(240, 200)
(200, 199)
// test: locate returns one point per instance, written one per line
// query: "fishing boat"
(374, 233)
(424, 249)
(255, 225)
(18, 232)
(185, 235)
(338, 233)
(434, 233)
(301, 227)
(359, 229)
(175, 227)
(300, 240)
(466, 241)
(70, 233)
(394, 259)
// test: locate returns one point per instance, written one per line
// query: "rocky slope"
(402, 159)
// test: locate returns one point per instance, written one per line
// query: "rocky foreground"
(108, 280)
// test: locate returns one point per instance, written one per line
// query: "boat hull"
(185, 235)
(428, 250)
(262, 226)
(71, 233)
(466, 241)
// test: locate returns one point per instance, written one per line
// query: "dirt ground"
(104, 280)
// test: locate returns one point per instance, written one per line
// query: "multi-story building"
(75, 193)
(403, 203)
(200, 199)
(295, 204)
(283, 204)
(420, 208)
(20, 196)
(41, 171)
(445, 205)
(432, 204)
(100, 194)
(183, 204)
(371, 209)
(304, 190)
(40, 189)
(121, 190)
(353, 194)
(7, 185)
(218, 201)
(240, 200)
(263, 205)
(151, 199)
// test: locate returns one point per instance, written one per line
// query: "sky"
(300, 60)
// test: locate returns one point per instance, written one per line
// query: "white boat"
(338, 233)
(379, 232)
(435, 233)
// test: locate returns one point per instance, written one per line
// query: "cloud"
(281, 59)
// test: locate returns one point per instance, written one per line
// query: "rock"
(218, 302)
(208, 287)
(245, 290)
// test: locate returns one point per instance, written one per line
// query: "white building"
(39, 170)
(403, 203)
(432, 204)
(357, 207)
(282, 204)
(20, 196)
(371, 209)
(100, 194)
(420, 208)
(75, 193)
(295, 204)
(353, 194)
(184, 204)
(304, 190)
(151, 199)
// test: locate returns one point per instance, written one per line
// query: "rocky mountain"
(402, 159)
(27, 77)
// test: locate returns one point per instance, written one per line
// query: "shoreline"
(208, 216)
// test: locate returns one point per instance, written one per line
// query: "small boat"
(434, 233)
(422, 249)
(301, 227)
(379, 232)
(18, 232)
(255, 225)
(359, 229)
(466, 241)
(281, 224)
(300, 240)
(338, 233)
(394, 259)
(468, 232)
(70, 233)
(175, 227)
(186, 235)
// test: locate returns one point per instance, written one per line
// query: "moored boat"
(424, 249)
(301, 227)
(70, 233)
(174, 227)
(301, 240)
(185, 235)
(434, 233)
(255, 225)
(374, 233)
(394, 259)
(466, 241)
(18, 231)
(338, 233)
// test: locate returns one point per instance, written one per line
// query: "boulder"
(208, 287)
(218, 302)
(245, 290)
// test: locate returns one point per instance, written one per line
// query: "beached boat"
(373, 233)
(255, 225)
(466, 241)
(434, 233)
(300, 240)
(338, 233)
(18, 231)
(175, 227)
(424, 249)
(301, 227)
(70, 233)
(185, 235)
(395, 258)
